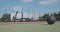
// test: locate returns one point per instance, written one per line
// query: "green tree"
(51, 14)
(45, 16)
(14, 18)
(59, 14)
(5, 17)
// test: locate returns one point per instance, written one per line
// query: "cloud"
(17, 8)
(25, 14)
(19, 15)
(47, 2)
(7, 8)
(0, 16)
(27, 1)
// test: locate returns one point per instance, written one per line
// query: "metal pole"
(28, 13)
(22, 15)
(39, 14)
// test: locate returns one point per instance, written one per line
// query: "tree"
(51, 14)
(5, 17)
(45, 16)
(14, 17)
(40, 18)
(59, 14)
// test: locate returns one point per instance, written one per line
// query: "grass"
(31, 28)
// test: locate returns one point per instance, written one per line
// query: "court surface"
(30, 27)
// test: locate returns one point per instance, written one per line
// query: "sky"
(34, 7)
